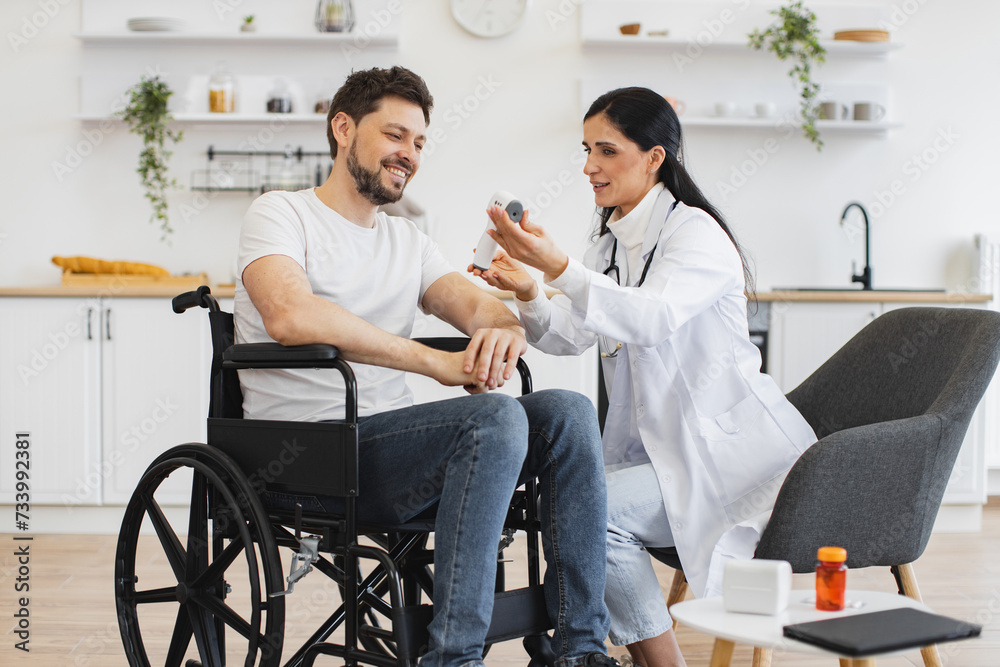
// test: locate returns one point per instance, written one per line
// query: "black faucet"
(865, 277)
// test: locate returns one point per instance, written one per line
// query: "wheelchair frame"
(227, 520)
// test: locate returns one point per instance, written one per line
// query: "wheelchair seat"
(206, 516)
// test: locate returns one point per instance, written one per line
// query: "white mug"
(725, 109)
(868, 111)
(765, 109)
(832, 111)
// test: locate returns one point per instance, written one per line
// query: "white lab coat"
(720, 434)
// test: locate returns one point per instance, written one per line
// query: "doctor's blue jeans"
(637, 518)
(469, 454)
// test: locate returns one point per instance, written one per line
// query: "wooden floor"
(72, 611)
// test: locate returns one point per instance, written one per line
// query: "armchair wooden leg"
(908, 583)
(761, 657)
(678, 590)
(722, 653)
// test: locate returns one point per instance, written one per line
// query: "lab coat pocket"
(737, 421)
(738, 443)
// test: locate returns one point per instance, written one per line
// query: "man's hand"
(448, 368)
(492, 355)
(497, 337)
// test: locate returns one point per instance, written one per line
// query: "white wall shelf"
(286, 46)
(733, 76)
(386, 41)
(217, 119)
(839, 127)
(638, 43)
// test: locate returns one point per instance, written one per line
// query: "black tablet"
(881, 631)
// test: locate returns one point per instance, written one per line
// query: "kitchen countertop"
(114, 291)
(221, 291)
(879, 296)
(828, 296)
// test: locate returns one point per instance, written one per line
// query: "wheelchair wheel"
(205, 571)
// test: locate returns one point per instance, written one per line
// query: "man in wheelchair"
(325, 266)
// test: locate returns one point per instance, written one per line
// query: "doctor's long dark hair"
(648, 120)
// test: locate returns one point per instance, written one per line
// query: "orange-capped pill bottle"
(831, 578)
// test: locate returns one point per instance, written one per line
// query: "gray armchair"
(890, 409)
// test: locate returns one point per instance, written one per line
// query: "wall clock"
(489, 18)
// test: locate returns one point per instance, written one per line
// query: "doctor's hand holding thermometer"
(526, 241)
(696, 439)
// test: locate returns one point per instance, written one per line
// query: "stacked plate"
(155, 24)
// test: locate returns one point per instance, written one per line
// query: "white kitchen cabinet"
(155, 388)
(50, 387)
(803, 335)
(103, 385)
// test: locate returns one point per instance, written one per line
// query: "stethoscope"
(613, 266)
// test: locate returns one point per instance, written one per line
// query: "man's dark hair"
(363, 91)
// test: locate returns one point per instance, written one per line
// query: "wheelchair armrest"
(448, 344)
(274, 355)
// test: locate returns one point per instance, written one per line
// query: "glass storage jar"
(334, 16)
(279, 100)
(221, 90)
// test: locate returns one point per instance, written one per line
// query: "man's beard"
(369, 183)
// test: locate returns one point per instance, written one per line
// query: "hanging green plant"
(147, 116)
(794, 37)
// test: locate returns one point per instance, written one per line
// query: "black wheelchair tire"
(218, 486)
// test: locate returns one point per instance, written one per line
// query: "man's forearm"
(293, 315)
(491, 313)
(317, 320)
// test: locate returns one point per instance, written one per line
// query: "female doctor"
(697, 440)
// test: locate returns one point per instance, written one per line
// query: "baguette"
(80, 264)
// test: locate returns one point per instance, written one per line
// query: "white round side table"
(707, 615)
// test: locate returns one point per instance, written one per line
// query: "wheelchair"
(215, 572)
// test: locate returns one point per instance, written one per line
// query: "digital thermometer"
(487, 247)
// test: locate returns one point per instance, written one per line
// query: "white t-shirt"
(379, 274)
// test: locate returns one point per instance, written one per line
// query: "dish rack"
(257, 172)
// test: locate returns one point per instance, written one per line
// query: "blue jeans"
(636, 519)
(468, 454)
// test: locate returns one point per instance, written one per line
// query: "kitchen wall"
(510, 111)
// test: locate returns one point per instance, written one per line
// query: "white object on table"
(757, 586)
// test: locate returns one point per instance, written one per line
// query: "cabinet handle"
(107, 323)
(90, 317)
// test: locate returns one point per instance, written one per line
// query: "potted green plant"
(794, 36)
(147, 116)
(248, 25)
